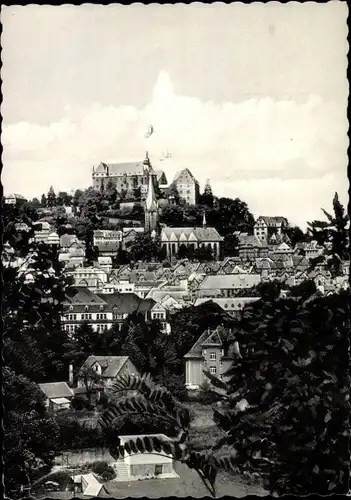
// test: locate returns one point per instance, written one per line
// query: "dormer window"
(101, 307)
(86, 308)
(71, 308)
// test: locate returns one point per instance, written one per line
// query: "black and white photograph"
(175, 250)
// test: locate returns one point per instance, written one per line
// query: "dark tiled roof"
(82, 295)
(111, 365)
(127, 303)
(55, 390)
(120, 169)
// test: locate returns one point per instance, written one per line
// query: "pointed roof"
(151, 202)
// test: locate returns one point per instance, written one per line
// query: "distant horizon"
(251, 97)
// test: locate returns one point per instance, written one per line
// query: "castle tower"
(151, 205)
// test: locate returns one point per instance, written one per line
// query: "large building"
(187, 186)
(126, 177)
(172, 238)
(265, 227)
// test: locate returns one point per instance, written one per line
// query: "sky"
(252, 97)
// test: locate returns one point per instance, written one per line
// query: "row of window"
(101, 316)
(158, 315)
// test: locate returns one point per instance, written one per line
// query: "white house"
(135, 466)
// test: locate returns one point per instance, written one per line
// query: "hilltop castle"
(127, 176)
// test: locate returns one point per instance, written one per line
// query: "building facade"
(195, 237)
(187, 186)
(126, 177)
(209, 353)
(265, 227)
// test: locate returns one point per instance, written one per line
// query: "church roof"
(120, 169)
(201, 234)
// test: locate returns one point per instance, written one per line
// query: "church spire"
(204, 219)
(151, 202)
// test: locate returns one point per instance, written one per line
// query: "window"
(213, 356)
(158, 469)
(213, 370)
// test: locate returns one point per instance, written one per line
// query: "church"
(172, 238)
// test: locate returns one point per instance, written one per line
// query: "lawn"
(188, 484)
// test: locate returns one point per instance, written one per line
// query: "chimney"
(70, 375)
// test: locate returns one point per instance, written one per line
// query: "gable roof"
(201, 234)
(120, 169)
(127, 303)
(229, 281)
(82, 295)
(180, 172)
(272, 221)
(54, 390)
(208, 338)
(110, 365)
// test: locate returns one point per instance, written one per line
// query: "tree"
(51, 199)
(64, 198)
(296, 235)
(91, 380)
(207, 196)
(287, 394)
(230, 245)
(44, 201)
(333, 235)
(30, 435)
(203, 254)
(144, 248)
(183, 252)
(172, 215)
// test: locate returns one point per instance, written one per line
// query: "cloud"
(267, 152)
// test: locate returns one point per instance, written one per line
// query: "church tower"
(151, 205)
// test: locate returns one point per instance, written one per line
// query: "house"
(53, 239)
(42, 230)
(265, 227)
(136, 466)
(187, 186)
(58, 395)
(14, 199)
(88, 485)
(90, 277)
(107, 368)
(119, 306)
(231, 305)
(251, 247)
(211, 352)
(310, 250)
(226, 285)
(172, 238)
(107, 242)
(105, 263)
(66, 241)
(80, 305)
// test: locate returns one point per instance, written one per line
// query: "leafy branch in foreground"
(155, 402)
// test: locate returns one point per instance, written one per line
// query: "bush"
(80, 403)
(108, 474)
(76, 435)
(103, 470)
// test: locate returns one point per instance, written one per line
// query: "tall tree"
(333, 235)
(30, 435)
(51, 199)
(290, 383)
(207, 196)
(44, 201)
